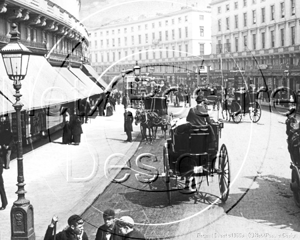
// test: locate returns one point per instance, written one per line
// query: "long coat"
(76, 126)
(67, 234)
(128, 120)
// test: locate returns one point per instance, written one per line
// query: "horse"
(158, 121)
(142, 117)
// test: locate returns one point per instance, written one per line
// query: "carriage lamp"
(15, 58)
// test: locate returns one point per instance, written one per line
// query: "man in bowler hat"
(128, 120)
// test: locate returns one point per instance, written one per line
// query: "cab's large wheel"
(236, 112)
(167, 171)
(295, 185)
(255, 112)
(224, 173)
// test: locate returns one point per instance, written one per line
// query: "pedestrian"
(124, 101)
(127, 228)
(76, 129)
(109, 110)
(128, 120)
(109, 230)
(67, 131)
(6, 144)
(74, 231)
(2, 190)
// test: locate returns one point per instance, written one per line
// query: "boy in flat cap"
(109, 230)
(73, 232)
(126, 226)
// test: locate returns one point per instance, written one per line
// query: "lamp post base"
(22, 224)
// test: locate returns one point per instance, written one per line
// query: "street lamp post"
(16, 57)
(123, 76)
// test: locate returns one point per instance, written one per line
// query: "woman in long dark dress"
(67, 133)
(76, 129)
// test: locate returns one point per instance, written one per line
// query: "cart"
(242, 103)
(157, 109)
(190, 154)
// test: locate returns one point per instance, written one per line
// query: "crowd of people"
(122, 228)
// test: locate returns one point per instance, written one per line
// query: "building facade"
(55, 77)
(174, 43)
(256, 42)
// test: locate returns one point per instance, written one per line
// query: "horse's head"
(139, 116)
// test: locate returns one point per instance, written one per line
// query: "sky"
(96, 12)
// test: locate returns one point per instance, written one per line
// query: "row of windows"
(236, 5)
(254, 17)
(146, 37)
(124, 30)
(179, 52)
(263, 44)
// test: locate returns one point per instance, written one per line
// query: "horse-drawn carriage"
(189, 153)
(240, 103)
(152, 114)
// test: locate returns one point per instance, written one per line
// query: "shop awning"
(90, 71)
(91, 87)
(42, 87)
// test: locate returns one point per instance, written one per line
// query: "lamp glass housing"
(137, 69)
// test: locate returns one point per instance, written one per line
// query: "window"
(159, 23)
(101, 43)
(119, 41)
(153, 25)
(140, 54)
(160, 38)
(139, 27)
(167, 52)
(236, 21)
(160, 54)
(201, 31)
(179, 32)
(219, 47)
(245, 41)
(114, 56)
(95, 34)
(201, 17)
(113, 42)
(227, 23)
(107, 42)
(146, 38)
(107, 55)
(113, 32)
(166, 22)
(263, 15)
(293, 9)
(95, 43)
(227, 7)
(282, 9)
(245, 3)
(186, 31)
(179, 20)
(236, 44)
(293, 35)
(219, 25)
(132, 40)
(173, 34)
(253, 1)
(282, 36)
(186, 49)
(119, 55)
(263, 40)
(272, 12)
(272, 38)
(235, 5)
(107, 32)
(132, 54)
(186, 18)
(179, 49)
(254, 41)
(153, 35)
(166, 35)
(201, 45)
(147, 54)
(153, 55)
(245, 19)
(254, 16)
(146, 26)
(228, 49)
(140, 39)
(125, 30)
(173, 51)
(119, 31)
(219, 9)
(131, 29)
(173, 21)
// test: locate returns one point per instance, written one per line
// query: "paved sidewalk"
(66, 179)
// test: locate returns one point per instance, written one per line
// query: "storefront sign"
(262, 66)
